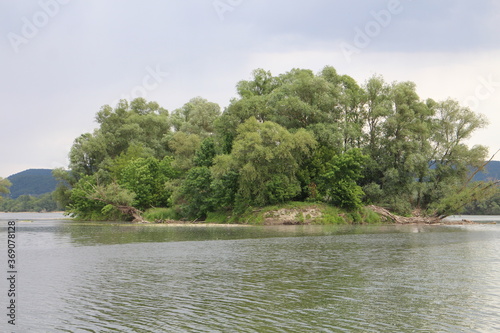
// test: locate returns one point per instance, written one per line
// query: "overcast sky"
(61, 60)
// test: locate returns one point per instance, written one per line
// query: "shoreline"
(297, 223)
(290, 216)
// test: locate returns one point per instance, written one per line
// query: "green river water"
(112, 277)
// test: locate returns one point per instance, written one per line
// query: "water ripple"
(445, 281)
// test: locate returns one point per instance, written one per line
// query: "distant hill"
(492, 172)
(32, 181)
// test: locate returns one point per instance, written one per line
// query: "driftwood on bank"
(132, 211)
(403, 219)
(115, 196)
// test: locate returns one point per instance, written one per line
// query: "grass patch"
(154, 214)
(288, 213)
(218, 217)
(370, 217)
(293, 212)
(331, 215)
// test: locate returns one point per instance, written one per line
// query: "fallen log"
(390, 217)
(133, 212)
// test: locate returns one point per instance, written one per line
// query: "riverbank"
(291, 213)
(302, 213)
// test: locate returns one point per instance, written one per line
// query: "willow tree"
(377, 107)
(453, 160)
(138, 123)
(266, 157)
(147, 179)
(196, 117)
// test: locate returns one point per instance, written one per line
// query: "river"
(115, 277)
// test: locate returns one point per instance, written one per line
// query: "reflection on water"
(475, 218)
(128, 278)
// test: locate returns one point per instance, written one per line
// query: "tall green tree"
(184, 147)
(262, 83)
(339, 181)
(196, 196)
(266, 157)
(406, 144)
(452, 159)
(147, 179)
(351, 101)
(135, 123)
(196, 117)
(377, 107)
(62, 194)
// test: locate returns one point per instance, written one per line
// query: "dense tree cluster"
(297, 136)
(25, 203)
(489, 206)
(30, 203)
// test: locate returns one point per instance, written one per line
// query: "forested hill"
(32, 182)
(492, 172)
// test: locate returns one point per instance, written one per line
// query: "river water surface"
(111, 277)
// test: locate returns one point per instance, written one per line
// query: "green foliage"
(332, 216)
(184, 147)
(133, 152)
(196, 117)
(92, 201)
(138, 123)
(218, 217)
(62, 193)
(196, 193)
(338, 183)
(224, 186)
(486, 206)
(4, 186)
(311, 170)
(280, 188)
(81, 206)
(456, 201)
(160, 214)
(266, 157)
(373, 193)
(369, 216)
(146, 178)
(205, 154)
(29, 203)
(263, 83)
(296, 136)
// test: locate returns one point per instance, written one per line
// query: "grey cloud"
(93, 51)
